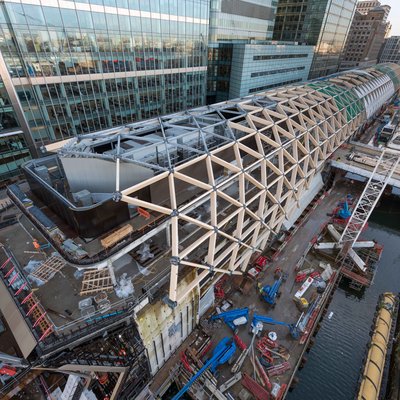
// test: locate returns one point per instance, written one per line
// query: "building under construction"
(125, 234)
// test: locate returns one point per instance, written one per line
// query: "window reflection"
(99, 48)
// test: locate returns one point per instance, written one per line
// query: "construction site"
(194, 255)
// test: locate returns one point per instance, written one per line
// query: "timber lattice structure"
(237, 170)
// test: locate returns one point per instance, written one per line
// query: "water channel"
(334, 362)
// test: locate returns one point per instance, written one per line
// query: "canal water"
(334, 362)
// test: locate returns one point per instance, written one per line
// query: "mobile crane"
(230, 316)
(222, 353)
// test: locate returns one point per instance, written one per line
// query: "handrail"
(84, 326)
(70, 259)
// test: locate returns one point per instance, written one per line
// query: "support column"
(17, 106)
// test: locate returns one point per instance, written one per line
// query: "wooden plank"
(96, 281)
(116, 236)
(49, 268)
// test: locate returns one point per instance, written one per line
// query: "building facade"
(257, 67)
(364, 7)
(83, 66)
(320, 23)
(233, 21)
(242, 59)
(390, 51)
(366, 36)
(14, 149)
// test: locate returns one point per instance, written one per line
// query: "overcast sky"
(394, 16)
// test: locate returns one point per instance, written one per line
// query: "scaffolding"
(96, 281)
(48, 268)
(24, 298)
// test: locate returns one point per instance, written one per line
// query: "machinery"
(233, 318)
(222, 353)
(270, 293)
(259, 320)
(9, 364)
(344, 211)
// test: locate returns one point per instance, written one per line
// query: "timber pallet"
(48, 268)
(96, 281)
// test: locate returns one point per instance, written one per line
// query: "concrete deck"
(60, 295)
(285, 309)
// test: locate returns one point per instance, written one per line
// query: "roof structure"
(249, 160)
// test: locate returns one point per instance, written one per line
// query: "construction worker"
(36, 244)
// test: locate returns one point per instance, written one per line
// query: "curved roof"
(165, 142)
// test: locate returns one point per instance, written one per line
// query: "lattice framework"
(236, 170)
(273, 159)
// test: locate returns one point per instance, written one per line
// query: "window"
(34, 15)
(52, 16)
(278, 56)
(258, 89)
(276, 71)
(85, 20)
(69, 18)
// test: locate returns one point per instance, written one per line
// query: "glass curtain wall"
(332, 38)
(234, 21)
(13, 149)
(94, 64)
(320, 23)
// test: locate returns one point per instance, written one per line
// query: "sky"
(394, 16)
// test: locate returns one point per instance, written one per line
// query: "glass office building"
(390, 51)
(263, 66)
(234, 21)
(320, 23)
(14, 150)
(82, 66)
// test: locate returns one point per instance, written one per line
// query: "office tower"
(83, 66)
(366, 36)
(390, 51)
(320, 23)
(242, 58)
(363, 7)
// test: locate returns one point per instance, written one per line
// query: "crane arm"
(231, 315)
(267, 320)
(222, 353)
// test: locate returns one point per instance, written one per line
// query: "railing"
(84, 326)
(104, 254)
(13, 293)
